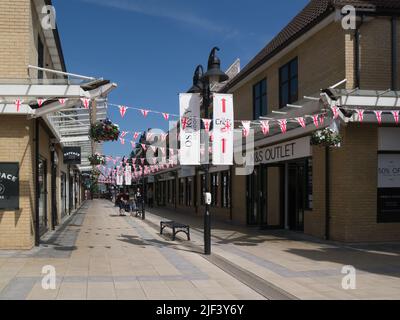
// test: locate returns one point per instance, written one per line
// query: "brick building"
(34, 134)
(314, 64)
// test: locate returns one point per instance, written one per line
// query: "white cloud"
(157, 9)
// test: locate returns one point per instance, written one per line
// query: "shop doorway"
(42, 175)
(63, 189)
(256, 197)
(296, 195)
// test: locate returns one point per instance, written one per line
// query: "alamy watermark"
(348, 17)
(48, 18)
(349, 280)
(49, 278)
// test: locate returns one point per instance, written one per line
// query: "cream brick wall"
(321, 63)
(375, 54)
(16, 227)
(14, 38)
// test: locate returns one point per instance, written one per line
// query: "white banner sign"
(120, 176)
(223, 130)
(190, 128)
(389, 170)
(128, 175)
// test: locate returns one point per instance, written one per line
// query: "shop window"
(388, 187)
(225, 189)
(173, 185)
(189, 182)
(214, 189)
(260, 99)
(288, 83)
(309, 185)
(181, 190)
(202, 188)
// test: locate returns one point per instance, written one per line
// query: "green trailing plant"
(326, 137)
(104, 130)
(97, 159)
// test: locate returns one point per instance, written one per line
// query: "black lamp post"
(202, 84)
(143, 209)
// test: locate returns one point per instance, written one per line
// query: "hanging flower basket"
(326, 137)
(97, 159)
(104, 131)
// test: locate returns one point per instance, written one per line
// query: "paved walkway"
(100, 255)
(300, 265)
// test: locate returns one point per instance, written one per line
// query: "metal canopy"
(69, 122)
(72, 125)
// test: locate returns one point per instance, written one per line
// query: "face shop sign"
(294, 149)
(9, 186)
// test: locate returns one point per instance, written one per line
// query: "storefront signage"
(9, 186)
(295, 149)
(389, 187)
(187, 171)
(72, 155)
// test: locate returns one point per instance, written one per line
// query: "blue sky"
(150, 48)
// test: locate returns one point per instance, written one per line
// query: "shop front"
(279, 189)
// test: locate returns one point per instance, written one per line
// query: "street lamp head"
(197, 83)
(214, 73)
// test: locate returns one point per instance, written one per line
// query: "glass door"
(42, 175)
(296, 195)
(256, 196)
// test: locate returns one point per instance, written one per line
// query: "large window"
(388, 187)
(260, 107)
(225, 189)
(288, 83)
(189, 182)
(214, 189)
(309, 185)
(181, 190)
(202, 189)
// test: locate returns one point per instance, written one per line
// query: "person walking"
(138, 200)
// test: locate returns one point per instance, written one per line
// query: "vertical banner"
(120, 176)
(189, 105)
(128, 175)
(222, 147)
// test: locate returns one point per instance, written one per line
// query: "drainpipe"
(37, 185)
(394, 54)
(357, 53)
(327, 195)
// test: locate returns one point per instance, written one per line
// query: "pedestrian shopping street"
(98, 254)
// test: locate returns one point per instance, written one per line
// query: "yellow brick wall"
(16, 145)
(354, 211)
(314, 220)
(14, 38)
(321, 63)
(375, 54)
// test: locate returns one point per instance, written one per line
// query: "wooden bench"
(176, 228)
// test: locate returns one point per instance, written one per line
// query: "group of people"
(127, 203)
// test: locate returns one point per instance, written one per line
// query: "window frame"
(259, 98)
(288, 82)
